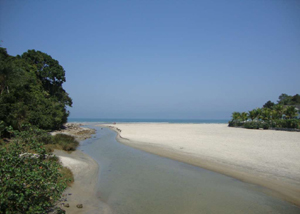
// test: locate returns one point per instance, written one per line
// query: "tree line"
(32, 102)
(283, 114)
(31, 91)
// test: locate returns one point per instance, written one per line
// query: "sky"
(162, 59)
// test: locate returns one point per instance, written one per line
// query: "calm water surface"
(111, 120)
(135, 182)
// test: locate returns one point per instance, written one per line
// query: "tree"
(295, 99)
(253, 114)
(50, 73)
(244, 116)
(32, 91)
(284, 99)
(236, 116)
(277, 111)
(290, 112)
(266, 114)
(268, 104)
(259, 113)
(8, 72)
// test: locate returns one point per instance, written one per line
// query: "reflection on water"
(136, 182)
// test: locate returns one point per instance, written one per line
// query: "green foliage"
(234, 123)
(290, 112)
(244, 116)
(268, 104)
(295, 99)
(31, 91)
(2, 127)
(266, 114)
(29, 180)
(236, 116)
(277, 111)
(276, 124)
(288, 123)
(253, 114)
(284, 99)
(31, 98)
(252, 125)
(67, 142)
(279, 116)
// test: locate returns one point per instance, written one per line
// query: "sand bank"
(264, 157)
(85, 171)
(83, 190)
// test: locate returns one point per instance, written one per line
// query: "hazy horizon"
(162, 59)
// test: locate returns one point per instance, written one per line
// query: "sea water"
(136, 182)
(116, 120)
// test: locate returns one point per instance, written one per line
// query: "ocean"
(115, 120)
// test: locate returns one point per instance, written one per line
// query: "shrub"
(234, 123)
(28, 184)
(252, 125)
(266, 125)
(67, 142)
(291, 124)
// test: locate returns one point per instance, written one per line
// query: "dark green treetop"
(31, 91)
(268, 104)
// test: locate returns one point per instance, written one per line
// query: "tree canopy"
(31, 91)
(285, 99)
(269, 104)
(284, 114)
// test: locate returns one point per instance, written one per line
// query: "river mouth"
(137, 182)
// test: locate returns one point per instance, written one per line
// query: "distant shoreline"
(128, 120)
(284, 183)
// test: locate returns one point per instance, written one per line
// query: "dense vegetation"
(31, 91)
(30, 179)
(284, 114)
(32, 102)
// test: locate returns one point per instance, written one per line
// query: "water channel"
(135, 182)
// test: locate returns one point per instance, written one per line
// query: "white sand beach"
(265, 157)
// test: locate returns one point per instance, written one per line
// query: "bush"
(252, 125)
(291, 124)
(28, 184)
(287, 123)
(266, 125)
(67, 142)
(233, 123)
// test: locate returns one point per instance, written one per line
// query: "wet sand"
(85, 171)
(83, 190)
(264, 157)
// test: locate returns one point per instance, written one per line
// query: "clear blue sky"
(162, 59)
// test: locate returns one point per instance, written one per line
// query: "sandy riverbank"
(264, 157)
(85, 171)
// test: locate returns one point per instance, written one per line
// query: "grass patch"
(67, 174)
(62, 142)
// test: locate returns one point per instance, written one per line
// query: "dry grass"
(62, 142)
(67, 174)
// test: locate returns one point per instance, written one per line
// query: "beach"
(267, 158)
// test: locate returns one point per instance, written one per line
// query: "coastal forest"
(32, 103)
(281, 115)
(31, 91)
